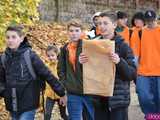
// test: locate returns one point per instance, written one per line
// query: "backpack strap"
(27, 58)
(29, 63)
(140, 34)
(130, 33)
(3, 58)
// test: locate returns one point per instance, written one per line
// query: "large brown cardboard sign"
(99, 71)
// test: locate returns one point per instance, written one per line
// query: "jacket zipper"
(21, 70)
(14, 100)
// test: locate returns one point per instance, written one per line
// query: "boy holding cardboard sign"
(115, 107)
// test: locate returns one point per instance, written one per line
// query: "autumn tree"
(16, 11)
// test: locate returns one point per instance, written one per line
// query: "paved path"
(134, 109)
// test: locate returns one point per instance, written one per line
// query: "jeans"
(29, 115)
(49, 107)
(76, 104)
(148, 90)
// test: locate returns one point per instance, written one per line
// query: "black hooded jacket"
(125, 72)
(21, 91)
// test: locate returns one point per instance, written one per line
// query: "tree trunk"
(57, 10)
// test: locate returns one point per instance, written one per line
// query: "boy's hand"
(114, 57)
(83, 58)
(63, 100)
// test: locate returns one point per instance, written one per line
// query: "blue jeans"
(49, 107)
(29, 115)
(148, 90)
(76, 104)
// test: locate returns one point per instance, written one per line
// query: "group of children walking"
(136, 58)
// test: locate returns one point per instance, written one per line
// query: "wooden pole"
(137, 4)
(158, 1)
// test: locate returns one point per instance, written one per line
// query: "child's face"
(96, 20)
(106, 26)
(13, 40)
(52, 56)
(138, 23)
(74, 33)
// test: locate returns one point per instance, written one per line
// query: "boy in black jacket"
(22, 91)
(115, 107)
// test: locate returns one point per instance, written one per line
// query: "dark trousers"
(102, 111)
(114, 114)
(49, 107)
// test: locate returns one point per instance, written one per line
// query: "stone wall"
(63, 10)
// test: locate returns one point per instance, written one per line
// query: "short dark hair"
(109, 14)
(121, 15)
(137, 15)
(52, 47)
(17, 28)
